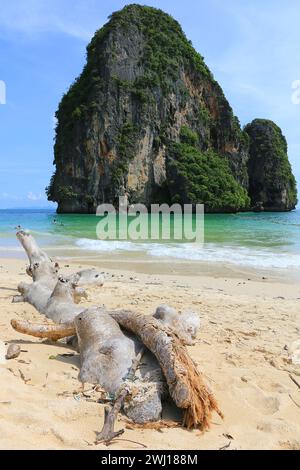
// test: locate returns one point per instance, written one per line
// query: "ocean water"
(267, 241)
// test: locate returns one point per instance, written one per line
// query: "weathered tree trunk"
(106, 353)
(55, 297)
(186, 385)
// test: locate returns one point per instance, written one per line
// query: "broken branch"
(38, 330)
(107, 433)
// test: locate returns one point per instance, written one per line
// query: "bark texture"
(106, 353)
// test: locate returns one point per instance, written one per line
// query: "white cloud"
(2, 92)
(32, 17)
(35, 197)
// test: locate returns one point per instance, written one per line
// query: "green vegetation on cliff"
(203, 177)
(166, 49)
(126, 145)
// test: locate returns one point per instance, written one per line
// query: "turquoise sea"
(263, 241)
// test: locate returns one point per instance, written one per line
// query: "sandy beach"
(247, 322)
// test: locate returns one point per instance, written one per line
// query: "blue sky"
(252, 48)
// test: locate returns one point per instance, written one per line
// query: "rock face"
(146, 119)
(272, 186)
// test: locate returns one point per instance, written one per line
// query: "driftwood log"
(103, 344)
(185, 382)
(107, 354)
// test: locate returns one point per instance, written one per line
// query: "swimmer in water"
(55, 222)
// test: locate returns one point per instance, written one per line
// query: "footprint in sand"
(267, 404)
(269, 386)
(275, 426)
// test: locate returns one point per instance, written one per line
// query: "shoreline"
(253, 246)
(230, 281)
(166, 266)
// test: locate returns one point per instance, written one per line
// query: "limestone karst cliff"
(146, 119)
(272, 186)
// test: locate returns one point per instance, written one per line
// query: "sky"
(250, 47)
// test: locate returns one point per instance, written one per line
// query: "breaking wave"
(209, 253)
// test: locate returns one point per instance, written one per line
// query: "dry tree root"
(44, 330)
(185, 382)
(202, 401)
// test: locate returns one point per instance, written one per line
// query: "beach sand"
(240, 349)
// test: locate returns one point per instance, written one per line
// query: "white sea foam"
(210, 253)
(107, 246)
